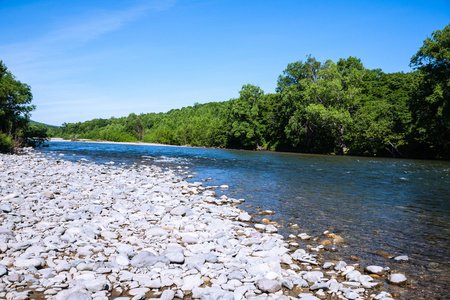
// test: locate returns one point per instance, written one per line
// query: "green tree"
(247, 128)
(290, 112)
(15, 104)
(133, 126)
(297, 72)
(383, 118)
(35, 134)
(338, 91)
(429, 105)
(323, 103)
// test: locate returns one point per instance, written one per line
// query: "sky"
(102, 59)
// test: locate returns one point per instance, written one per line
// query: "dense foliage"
(319, 107)
(15, 110)
(429, 104)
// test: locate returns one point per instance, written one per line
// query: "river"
(400, 206)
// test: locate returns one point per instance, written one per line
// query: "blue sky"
(99, 59)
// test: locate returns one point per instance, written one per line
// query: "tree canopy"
(430, 103)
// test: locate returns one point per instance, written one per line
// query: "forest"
(318, 107)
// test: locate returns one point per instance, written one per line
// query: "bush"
(6, 143)
(35, 134)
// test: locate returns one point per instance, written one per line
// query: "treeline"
(319, 107)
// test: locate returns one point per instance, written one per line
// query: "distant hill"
(34, 122)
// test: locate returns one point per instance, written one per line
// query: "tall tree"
(15, 99)
(292, 86)
(383, 118)
(246, 128)
(430, 105)
(15, 110)
(324, 100)
(133, 126)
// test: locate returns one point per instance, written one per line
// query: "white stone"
(84, 267)
(122, 260)
(190, 238)
(319, 286)
(215, 293)
(397, 278)
(153, 284)
(96, 285)
(178, 211)
(271, 229)
(260, 226)
(258, 269)
(240, 291)
(3, 270)
(271, 275)
(109, 235)
(155, 231)
(401, 258)
(175, 257)
(308, 297)
(347, 270)
(267, 285)
(167, 295)
(125, 248)
(191, 281)
(75, 296)
(301, 282)
(5, 231)
(139, 258)
(340, 266)
(287, 283)
(353, 275)
(25, 263)
(313, 276)
(351, 295)
(138, 291)
(245, 217)
(375, 270)
(304, 236)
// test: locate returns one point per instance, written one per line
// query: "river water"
(396, 205)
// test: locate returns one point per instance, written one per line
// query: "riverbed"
(398, 206)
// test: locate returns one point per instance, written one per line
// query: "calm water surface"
(395, 205)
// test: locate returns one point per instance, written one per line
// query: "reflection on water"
(399, 206)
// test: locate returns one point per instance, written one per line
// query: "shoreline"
(96, 231)
(256, 150)
(116, 143)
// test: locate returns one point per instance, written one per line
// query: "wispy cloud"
(55, 62)
(77, 31)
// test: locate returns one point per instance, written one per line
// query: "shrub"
(6, 143)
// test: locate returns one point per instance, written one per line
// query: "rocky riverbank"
(88, 231)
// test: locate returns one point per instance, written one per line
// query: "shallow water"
(395, 205)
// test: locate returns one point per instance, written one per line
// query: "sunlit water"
(395, 205)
